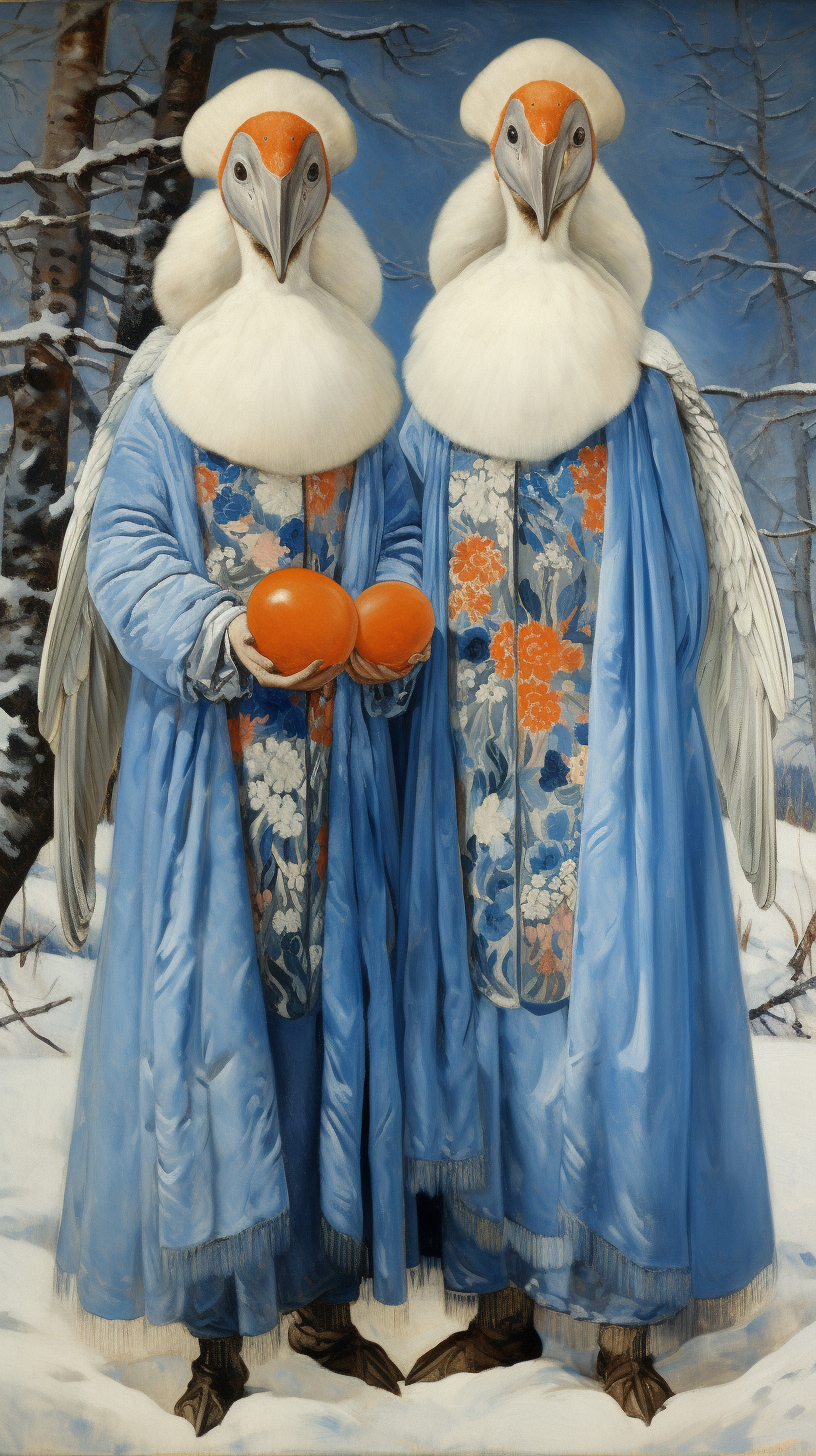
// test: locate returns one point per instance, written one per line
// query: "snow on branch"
(35, 219)
(42, 332)
(117, 154)
(751, 396)
(714, 255)
(739, 154)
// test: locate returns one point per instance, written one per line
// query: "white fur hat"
(215, 123)
(541, 60)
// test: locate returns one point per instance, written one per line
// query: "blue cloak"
(176, 1181)
(608, 1158)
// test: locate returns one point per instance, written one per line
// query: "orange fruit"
(297, 616)
(396, 620)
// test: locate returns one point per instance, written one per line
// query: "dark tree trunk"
(38, 456)
(167, 188)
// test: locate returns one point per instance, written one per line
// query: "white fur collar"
(527, 350)
(281, 376)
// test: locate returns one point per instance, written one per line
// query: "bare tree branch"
(739, 154)
(807, 275)
(748, 396)
(41, 1010)
(117, 154)
(42, 332)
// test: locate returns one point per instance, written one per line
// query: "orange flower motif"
(320, 490)
(242, 732)
(323, 854)
(541, 653)
(501, 650)
(589, 478)
(206, 484)
(476, 559)
(321, 715)
(539, 708)
(475, 600)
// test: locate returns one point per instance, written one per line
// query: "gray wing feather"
(84, 680)
(745, 672)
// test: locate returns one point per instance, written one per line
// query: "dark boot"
(502, 1333)
(628, 1373)
(218, 1380)
(326, 1334)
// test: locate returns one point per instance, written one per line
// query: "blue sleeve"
(400, 556)
(400, 559)
(145, 566)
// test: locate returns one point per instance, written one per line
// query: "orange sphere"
(396, 620)
(297, 616)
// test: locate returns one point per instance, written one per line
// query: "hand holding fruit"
(307, 680)
(368, 673)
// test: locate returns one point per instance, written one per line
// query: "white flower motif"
(279, 495)
(285, 920)
(492, 691)
(552, 557)
(467, 679)
(284, 816)
(315, 956)
(283, 769)
(490, 821)
(537, 901)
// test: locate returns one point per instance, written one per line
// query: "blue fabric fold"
(661, 1196)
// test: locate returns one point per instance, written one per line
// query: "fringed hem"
(461, 1307)
(345, 1253)
(392, 1318)
(423, 1176)
(542, 1251)
(220, 1257)
(138, 1339)
(648, 1286)
(697, 1317)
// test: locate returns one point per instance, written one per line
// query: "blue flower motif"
(231, 505)
(291, 536)
(558, 825)
(582, 734)
(226, 473)
(545, 857)
(554, 773)
(474, 646)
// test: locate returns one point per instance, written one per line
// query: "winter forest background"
(718, 161)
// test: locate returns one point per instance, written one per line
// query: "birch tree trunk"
(38, 455)
(168, 188)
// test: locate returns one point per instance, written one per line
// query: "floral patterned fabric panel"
(525, 546)
(253, 523)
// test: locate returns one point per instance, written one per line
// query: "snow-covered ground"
(745, 1390)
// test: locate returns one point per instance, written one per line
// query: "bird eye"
(512, 134)
(240, 172)
(579, 136)
(313, 173)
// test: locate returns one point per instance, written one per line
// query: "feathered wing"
(84, 680)
(745, 673)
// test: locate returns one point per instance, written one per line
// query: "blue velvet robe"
(176, 1204)
(607, 1157)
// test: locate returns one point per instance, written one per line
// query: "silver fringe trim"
(543, 1251)
(344, 1252)
(391, 1318)
(422, 1176)
(697, 1317)
(651, 1286)
(461, 1307)
(138, 1339)
(220, 1257)
(488, 1233)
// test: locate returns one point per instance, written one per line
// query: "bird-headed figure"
(613, 644)
(252, 434)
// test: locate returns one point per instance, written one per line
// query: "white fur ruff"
(202, 259)
(527, 351)
(602, 227)
(283, 377)
(215, 123)
(541, 60)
